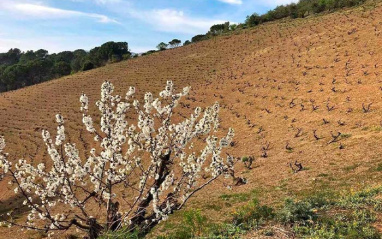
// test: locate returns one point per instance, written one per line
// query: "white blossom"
(153, 156)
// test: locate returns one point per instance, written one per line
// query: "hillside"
(276, 83)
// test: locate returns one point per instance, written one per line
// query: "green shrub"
(322, 200)
(195, 221)
(343, 225)
(121, 234)
(194, 224)
(224, 231)
(252, 216)
(349, 216)
(301, 212)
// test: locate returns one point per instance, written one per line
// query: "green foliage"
(175, 43)
(186, 43)
(108, 52)
(19, 69)
(195, 222)
(162, 46)
(121, 234)
(65, 56)
(244, 159)
(224, 231)
(321, 215)
(321, 200)
(149, 52)
(199, 37)
(345, 136)
(11, 57)
(301, 212)
(61, 68)
(218, 29)
(356, 224)
(348, 216)
(252, 216)
(300, 10)
(253, 20)
(232, 27)
(379, 167)
(193, 225)
(27, 56)
(88, 65)
(79, 60)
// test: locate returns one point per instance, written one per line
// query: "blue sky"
(58, 25)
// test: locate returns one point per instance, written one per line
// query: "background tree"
(61, 68)
(253, 20)
(11, 57)
(79, 59)
(42, 53)
(218, 29)
(199, 37)
(27, 56)
(19, 69)
(187, 42)
(88, 65)
(109, 52)
(162, 46)
(232, 27)
(175, 43)
(39, 71)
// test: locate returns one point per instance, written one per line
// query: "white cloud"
(275, 2)
(53, 44)
(169, 20)
(141, 49)
(99, 2)
(237, 2)
(44, 12)
(107, 1)
(6, 44)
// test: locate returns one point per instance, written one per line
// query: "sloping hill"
(277, 83)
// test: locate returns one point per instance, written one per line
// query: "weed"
(301, 212)
(252, 216)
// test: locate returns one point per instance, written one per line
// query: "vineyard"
(303, 95)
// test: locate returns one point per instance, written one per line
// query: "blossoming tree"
(136, 176)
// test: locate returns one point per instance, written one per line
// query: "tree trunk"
(139, 218)
(114, 217)
(95, 228)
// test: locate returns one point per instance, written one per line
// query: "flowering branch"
(156, 151)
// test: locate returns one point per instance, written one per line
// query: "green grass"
(324, 214)
(379, 167)
(211, 206)
(238, 197)
(345, 136)
(372, 128)
(351, 167)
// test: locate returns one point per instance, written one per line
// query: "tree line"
(301, 9)
(19, 69)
